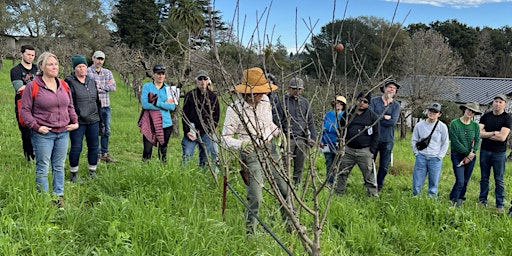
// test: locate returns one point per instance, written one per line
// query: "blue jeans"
(424, 166)
(50, 148)
(106, 116)
(462, 176)
(496, 160)
(205, 143)
(91, 132)
(329, 158)
(384, 150)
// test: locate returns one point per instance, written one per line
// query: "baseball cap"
(159, 68)
(201, 73)
(435, 106)
(296, 83)
(99, 54)
(501, 96)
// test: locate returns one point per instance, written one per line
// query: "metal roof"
(470, 89)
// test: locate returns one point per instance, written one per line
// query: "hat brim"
(264, 88)
(463, 107)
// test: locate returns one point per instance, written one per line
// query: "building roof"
(470, 89)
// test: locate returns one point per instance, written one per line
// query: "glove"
(247, 147)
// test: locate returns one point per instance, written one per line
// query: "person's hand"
(247, 147)
(191, 136)
(170, 100)
(387, 117)
(44, 129)
(311, 143)
(71, 127)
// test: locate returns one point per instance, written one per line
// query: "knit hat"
(78, 59)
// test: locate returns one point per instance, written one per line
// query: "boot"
(74, 177)
(162, 154)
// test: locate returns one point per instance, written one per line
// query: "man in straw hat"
(464, 142)
(250, 118)
(494, 129)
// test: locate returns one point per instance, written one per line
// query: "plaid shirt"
(106, 83)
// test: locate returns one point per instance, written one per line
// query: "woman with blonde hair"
(47, 108)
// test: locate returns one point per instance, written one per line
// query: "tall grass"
(136, 208)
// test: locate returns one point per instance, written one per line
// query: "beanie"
(366, 95)
(78, 59)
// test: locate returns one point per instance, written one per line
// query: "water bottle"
(193, 130)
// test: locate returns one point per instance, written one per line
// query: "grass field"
(136, 208)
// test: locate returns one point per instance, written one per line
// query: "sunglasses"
(202, 78)
(363, 100)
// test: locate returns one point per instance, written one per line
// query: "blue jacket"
(387, 131)
(161, 105)
(331, 129)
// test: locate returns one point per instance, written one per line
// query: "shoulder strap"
(35, 88)
(64, 84)
(433, 129)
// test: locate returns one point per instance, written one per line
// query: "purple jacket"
(48, 108)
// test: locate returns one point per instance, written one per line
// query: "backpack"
(35, 89)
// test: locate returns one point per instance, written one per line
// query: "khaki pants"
(364, 159)
(256, 181)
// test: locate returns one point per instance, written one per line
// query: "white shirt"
(246, 121)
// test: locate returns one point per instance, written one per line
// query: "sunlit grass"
(136, 208)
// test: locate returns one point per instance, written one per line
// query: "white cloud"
(452, 3)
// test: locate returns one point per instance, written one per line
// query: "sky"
(278, 16)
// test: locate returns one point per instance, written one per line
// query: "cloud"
(452, 3)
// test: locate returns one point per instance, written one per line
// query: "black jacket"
(201, 109)
(85, 98)
(360, 132)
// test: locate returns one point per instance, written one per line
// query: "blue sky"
(280, 15)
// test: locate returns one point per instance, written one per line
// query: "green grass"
(136, 208)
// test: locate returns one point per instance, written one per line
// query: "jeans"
(205, 143)
(384, 150)
(462, 176)
(496, 160)
(91, 132)
(329, 159)
(424, 166)
(50, 148)
(106, 116)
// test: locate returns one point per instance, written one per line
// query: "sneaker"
(107, 158)
(499, 209)
(482, 204)
(59, 202)
(92, 174)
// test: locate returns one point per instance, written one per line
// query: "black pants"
(162, 148)
(28, 150)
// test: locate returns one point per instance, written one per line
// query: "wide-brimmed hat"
(473, 106)
(388, 82)
(254, 81)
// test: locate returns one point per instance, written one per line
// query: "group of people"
(51, 112)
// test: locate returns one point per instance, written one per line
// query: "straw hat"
(254, 81)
